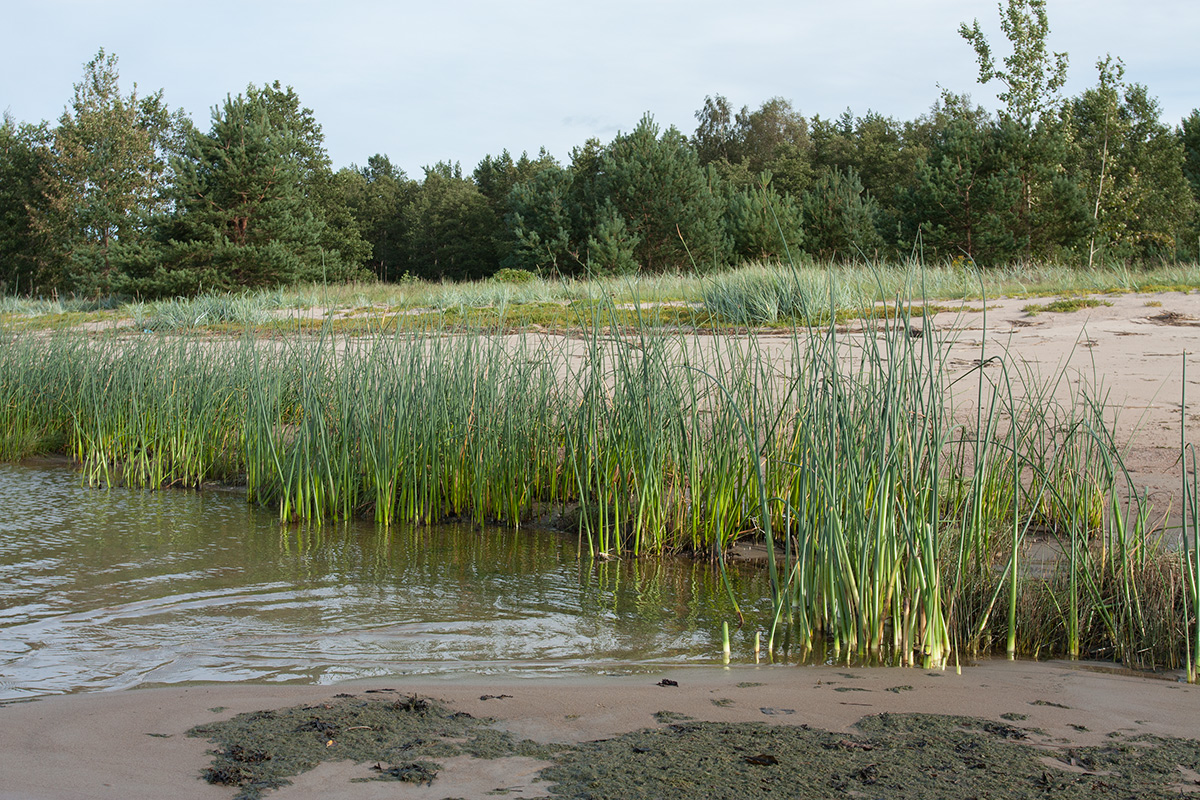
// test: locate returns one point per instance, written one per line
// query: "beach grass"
(764, 293)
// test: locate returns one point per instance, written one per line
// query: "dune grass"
(752, 294)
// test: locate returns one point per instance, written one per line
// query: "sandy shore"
(133, 744)
(1130, 353)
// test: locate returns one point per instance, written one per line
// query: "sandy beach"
(1130, 353)
(133, 744)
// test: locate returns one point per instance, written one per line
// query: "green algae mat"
(890, 756)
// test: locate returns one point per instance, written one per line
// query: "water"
(108, 589)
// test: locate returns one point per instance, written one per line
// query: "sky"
(456, 80)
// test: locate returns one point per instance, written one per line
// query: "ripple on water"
(103, 589)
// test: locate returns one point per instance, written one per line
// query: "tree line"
(125, 195)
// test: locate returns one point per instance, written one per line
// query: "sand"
(1130, 353)
(133, 743)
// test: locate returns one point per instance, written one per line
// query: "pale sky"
(456, 80)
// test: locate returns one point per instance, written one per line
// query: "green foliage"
(1189, 138)
(340, 234)
(1064, 305)
(612, 250)
(1130, 166)
(451, 227)
(840, 218)
(1032, 74)
(743, 145)
(663, 198)
(540, 220)
(496, 177)
(376, 195)
(992, 193)
(963, 199)
(25, 255)
(514, 277)
(105, 177)
(642, 202)
(249, 203)
(762, 224)
(124, 196)
(876, 148)
(1054, 217)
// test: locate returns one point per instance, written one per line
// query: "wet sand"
(133, 743)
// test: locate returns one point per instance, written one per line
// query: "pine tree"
(664, 199)
(450, 227)
(496, 177)
(376, 196)
(763, 224)
(26, 256)
(340, 234)
(243, 212)
(964, 198)
(539, 221)
(106, 177)
(840, 218)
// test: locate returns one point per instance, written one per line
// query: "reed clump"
(896, 528)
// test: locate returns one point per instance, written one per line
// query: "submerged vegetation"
(896, 526)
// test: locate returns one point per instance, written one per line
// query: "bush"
(513, 276)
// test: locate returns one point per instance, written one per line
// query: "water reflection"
(110, 589)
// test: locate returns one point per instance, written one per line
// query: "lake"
(114, 588)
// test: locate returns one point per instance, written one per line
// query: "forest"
(127, 196)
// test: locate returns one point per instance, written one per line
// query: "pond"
(114, 588)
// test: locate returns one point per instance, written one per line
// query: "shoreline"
(132, 743)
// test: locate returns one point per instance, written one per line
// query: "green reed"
(1190, 535)
(898, 527)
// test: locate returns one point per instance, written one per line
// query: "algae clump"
(890, 755)
(261, 750)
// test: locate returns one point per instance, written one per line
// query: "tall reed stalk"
(895, 524)
(1190, 530)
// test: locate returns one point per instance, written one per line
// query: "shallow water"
(108, 589)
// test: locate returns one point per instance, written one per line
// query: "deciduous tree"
(1032, 75)
(1131, 168)
(26, 255)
